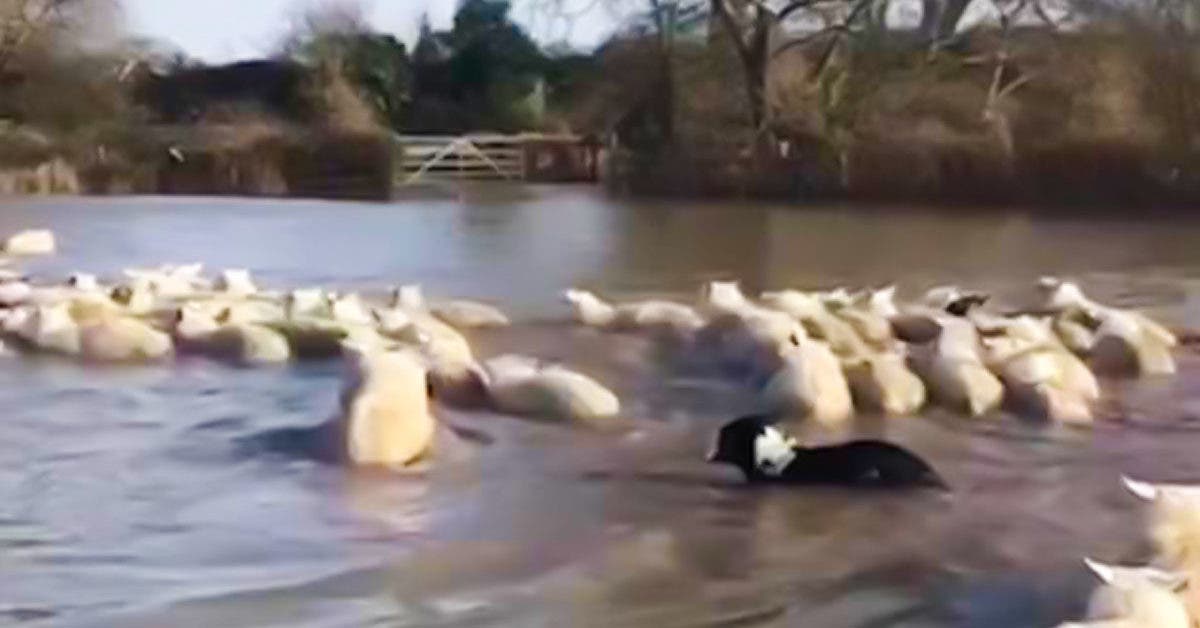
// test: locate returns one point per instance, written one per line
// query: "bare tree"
(654, 20)
(322, 18)
(26, 23)
(1005, 77)
(318, 37)
(747, 24)
(757, 32)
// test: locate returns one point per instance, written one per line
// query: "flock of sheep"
(398, 352)
(819, 355)
(824, 355)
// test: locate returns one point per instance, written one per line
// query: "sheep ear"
(1144, 490)
(481, 374)
(1178, 582)
(1106, 573)
(1172, 580)
(225, 315)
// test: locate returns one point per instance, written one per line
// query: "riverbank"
(1087, 173)
(363, 167)
(1029, 116)
(215, 160)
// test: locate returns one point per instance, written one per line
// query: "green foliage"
(483, 74)
(377, 64)
(486, 64)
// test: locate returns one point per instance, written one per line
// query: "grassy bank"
(302, 162)
(211, 160)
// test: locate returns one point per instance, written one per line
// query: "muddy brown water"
(125, 499)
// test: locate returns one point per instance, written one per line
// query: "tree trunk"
(664, 103)
(931, 13)
(756, 98)
(878, 15)
(751, 42)
(755, 62)
(951, 15)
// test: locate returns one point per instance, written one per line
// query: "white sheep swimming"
(883, 383)
(306, 303)
(84, 282)
(1041, 377)
(348, 308)
(953, 369)
(14, 291)
(170, 281)
(810, 382)
(1175, 521)
(93, 331)
(1122, 342)
(119, 338)
(30, 242)
(385, 417)
(236, 281)
(812, 312)
(869, 313)
(1134, 597)
(652, 315)
(47, 328)
(723, 297)
(230, 337)
(523, 386)
(458, 313)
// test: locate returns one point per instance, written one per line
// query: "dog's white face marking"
(773, 451)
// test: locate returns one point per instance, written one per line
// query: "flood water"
(127, 500)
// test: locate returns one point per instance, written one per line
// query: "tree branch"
(807, 39)
(731, 27)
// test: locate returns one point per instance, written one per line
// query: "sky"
(224, 30)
